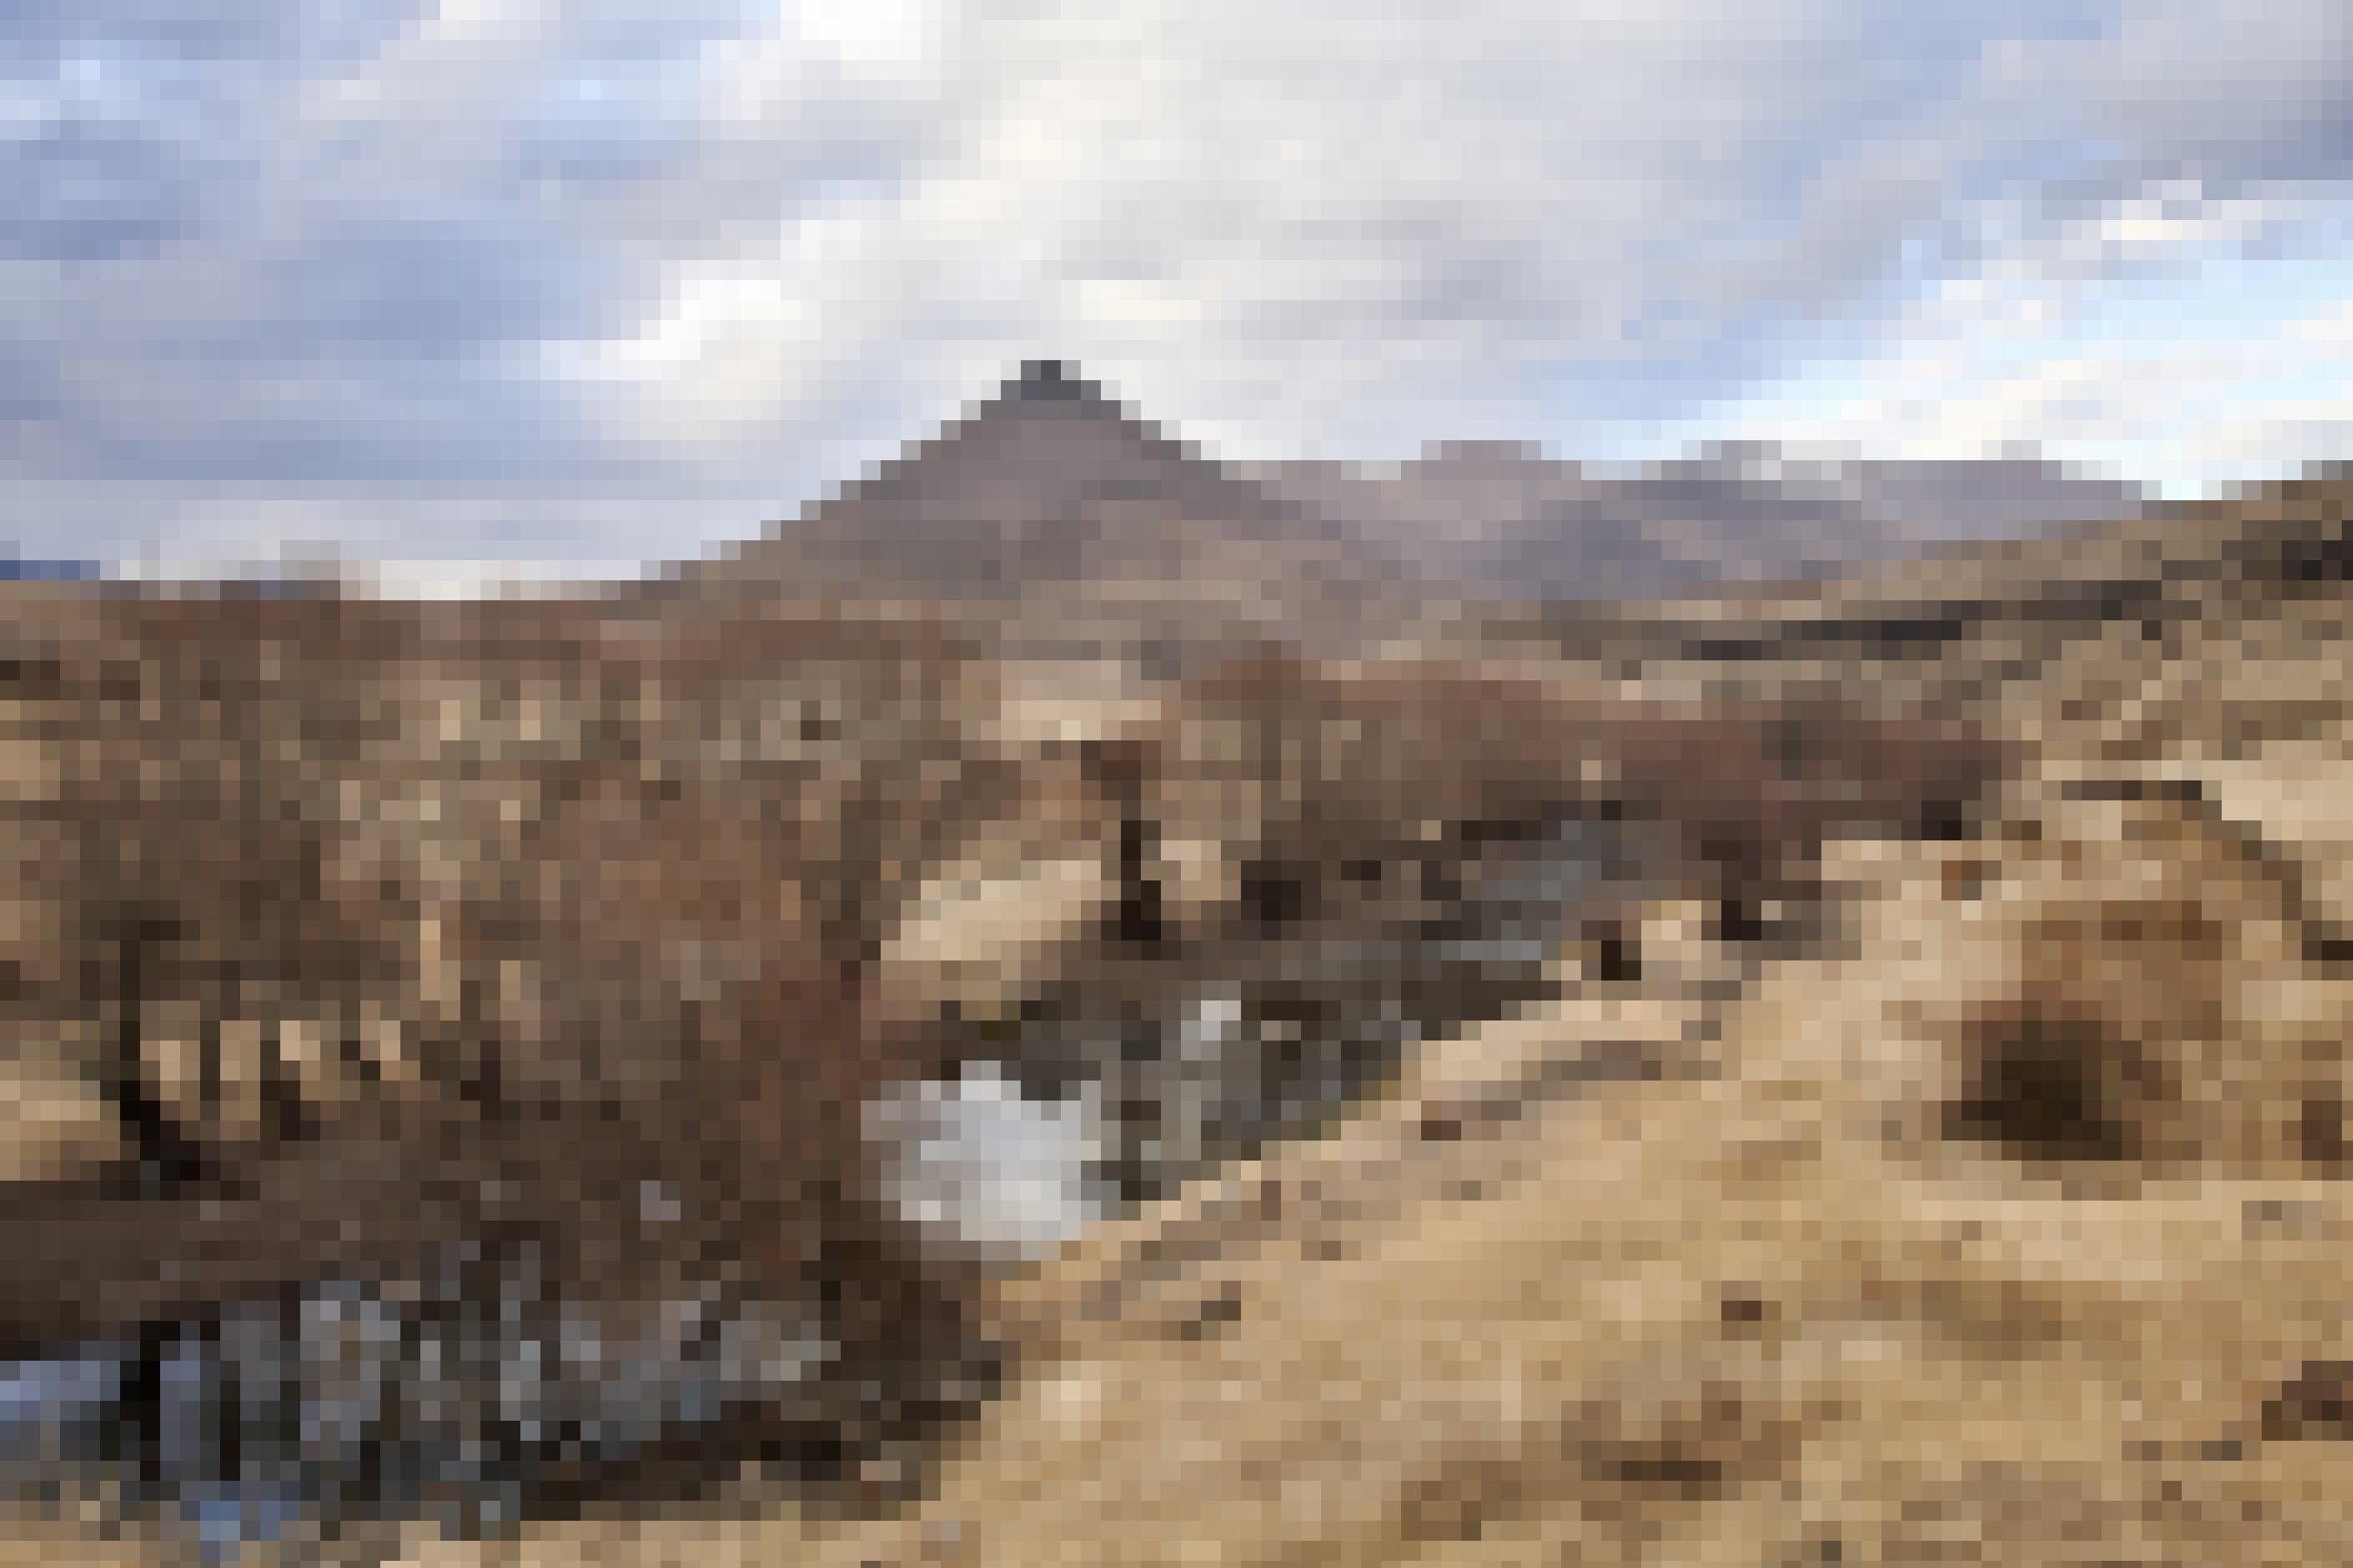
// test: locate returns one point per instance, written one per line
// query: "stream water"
(452, 1395)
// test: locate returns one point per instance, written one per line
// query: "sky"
(592, 283)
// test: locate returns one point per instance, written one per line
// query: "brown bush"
(392, 924)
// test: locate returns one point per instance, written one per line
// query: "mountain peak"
(1051, 381)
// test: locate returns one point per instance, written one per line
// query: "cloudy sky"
(596, 281)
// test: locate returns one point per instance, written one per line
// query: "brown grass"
(2005, 1224)
(1763, 1308)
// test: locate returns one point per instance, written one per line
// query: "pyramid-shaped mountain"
(1051, 481)
(1074, 527)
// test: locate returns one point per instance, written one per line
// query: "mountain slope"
(1508, 521)
(1073, 526)
(1052, 507)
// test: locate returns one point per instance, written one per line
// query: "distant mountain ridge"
(17, 569)
(1054, 508)
(1509, 521)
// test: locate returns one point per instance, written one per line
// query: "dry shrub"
(386, 925)
(1275, 786)
(2007, 1236)
(2123, 988)
(1778, 1311)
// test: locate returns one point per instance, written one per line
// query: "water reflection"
(458, 1398)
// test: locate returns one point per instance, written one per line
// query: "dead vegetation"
(1917, 1135)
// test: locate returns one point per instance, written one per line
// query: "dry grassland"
(2002, 1220)
(1796, 1288)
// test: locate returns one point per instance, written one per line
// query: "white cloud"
(2203, 372)
(1330, 228)
(737, 248)
(2330, 329)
